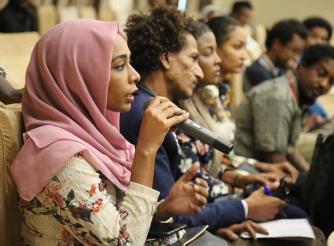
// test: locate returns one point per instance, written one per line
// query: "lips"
(217, 72)
(133, 93)
(131, 96)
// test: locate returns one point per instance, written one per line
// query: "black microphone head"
(222, 145)
(205, 135)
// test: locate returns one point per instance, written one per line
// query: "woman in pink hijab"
(79, 180)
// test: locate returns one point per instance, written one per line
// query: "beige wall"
(269, 11)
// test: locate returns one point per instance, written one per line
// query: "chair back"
(10, 143)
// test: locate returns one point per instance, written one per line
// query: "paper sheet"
(285, 228)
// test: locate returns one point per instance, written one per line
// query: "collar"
(265, 61)
(141, 85)
(291, 77)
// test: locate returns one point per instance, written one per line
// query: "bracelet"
(156, 212)
(223, 171)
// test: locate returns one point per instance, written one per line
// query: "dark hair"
(317, 53)
(221, 27)
(163, 30)
(284, 31)
(239, 5)
(199, 28)
(313, 22)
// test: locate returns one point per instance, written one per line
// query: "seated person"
(285, 43)
(168, 64)
(193, 150)
(319, 32)
(269, 120)
(242, 12)
(80, 181)
(18, 16)
(229, 34)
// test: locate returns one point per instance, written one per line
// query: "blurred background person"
(285, 43)
(319, 30)
(17, 16)
(242, 11)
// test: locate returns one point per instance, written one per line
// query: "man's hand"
(231, 233)
(313, 121)
(262, 207)
(185, 197)
(257, 178)
(281, 169)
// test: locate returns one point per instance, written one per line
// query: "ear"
(165, 60)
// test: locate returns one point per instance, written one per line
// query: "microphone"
(199, 132)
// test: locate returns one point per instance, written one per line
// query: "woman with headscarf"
(79, 180)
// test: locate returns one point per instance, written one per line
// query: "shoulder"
(257, 73)
(255, 67)
(276, 89)
(76, 168)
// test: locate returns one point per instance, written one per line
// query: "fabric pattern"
(192, 151)
(80, 206)
(207, 109)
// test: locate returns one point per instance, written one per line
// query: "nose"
(134, 75)
(244, 54)
(198, 72)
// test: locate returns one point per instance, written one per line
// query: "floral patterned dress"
(80, 206)
(193, 150)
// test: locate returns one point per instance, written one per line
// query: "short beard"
(180, 96)
(304, 100)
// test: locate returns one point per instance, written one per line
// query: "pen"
(267, 190)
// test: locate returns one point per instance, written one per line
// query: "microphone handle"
(201, 133)
(205, 135)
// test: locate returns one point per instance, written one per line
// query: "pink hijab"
(64, 107)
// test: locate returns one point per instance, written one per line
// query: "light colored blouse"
(80, 206)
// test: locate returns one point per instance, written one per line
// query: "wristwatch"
(156, 211)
